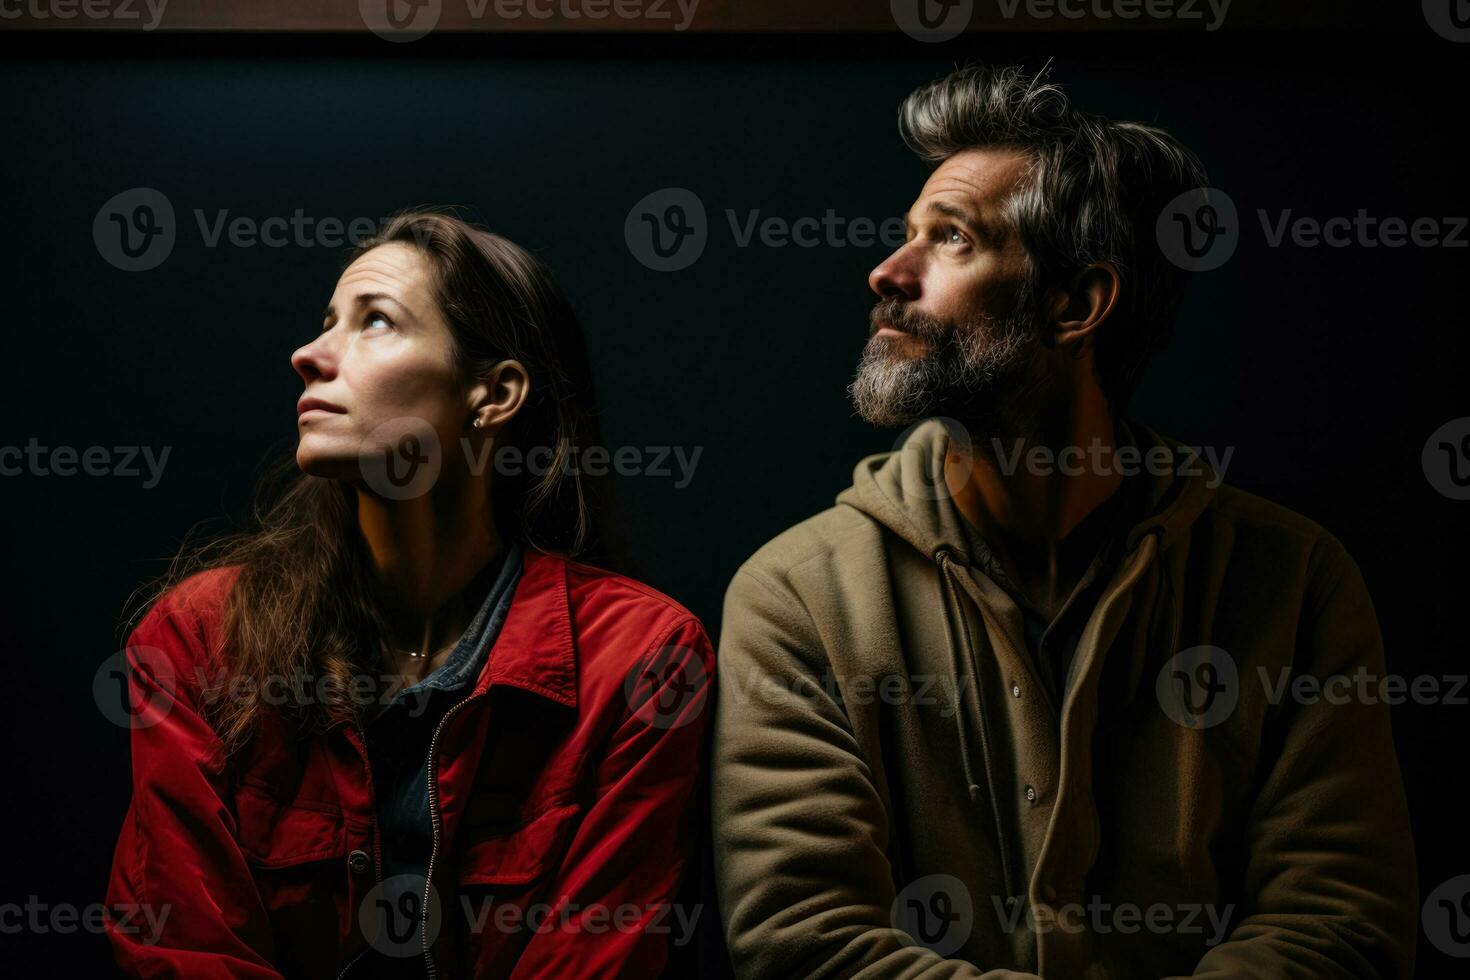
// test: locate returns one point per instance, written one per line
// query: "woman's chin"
(330, 466)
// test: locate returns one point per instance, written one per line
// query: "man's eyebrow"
(954, 211)
(950, 211)
(362, 299)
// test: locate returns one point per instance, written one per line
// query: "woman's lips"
(307, 405)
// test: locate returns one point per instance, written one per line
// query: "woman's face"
(381, 369)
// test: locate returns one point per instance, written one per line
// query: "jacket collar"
(534, 650)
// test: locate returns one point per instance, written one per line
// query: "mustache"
(900, 315)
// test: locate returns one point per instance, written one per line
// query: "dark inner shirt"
(398, 739)
(1050, 642)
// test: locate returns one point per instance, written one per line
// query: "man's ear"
(496, 400)
(1081, 308)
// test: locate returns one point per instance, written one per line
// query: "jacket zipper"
(434, 821)
(377, 843)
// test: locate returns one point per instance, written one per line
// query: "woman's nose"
(314, 360)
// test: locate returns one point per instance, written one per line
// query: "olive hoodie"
(1216, 795)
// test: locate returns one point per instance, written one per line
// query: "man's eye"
(954, 237)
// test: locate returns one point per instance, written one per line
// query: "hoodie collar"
(904, 489)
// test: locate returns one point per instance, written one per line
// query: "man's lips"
(888, 329)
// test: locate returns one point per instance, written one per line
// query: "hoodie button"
(359, 862)
(1015, 690)
(1030, 794)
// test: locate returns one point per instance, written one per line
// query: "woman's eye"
(375, 319)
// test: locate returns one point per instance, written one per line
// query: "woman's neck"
(425, 551)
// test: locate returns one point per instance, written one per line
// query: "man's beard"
(984, 373)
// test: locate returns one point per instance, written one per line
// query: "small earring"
(477, 423)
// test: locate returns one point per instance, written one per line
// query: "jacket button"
(1015, 690)
(1030, 794)
(359, 862)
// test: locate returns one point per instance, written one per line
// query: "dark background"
(1327, 369)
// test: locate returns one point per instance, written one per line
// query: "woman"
(397, 730)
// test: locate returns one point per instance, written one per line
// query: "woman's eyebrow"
(362, 299)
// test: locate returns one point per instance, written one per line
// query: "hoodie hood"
(904, 489)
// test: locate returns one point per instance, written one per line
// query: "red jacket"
(559, 788)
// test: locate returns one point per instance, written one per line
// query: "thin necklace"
(415, 654)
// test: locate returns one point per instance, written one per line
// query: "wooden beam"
(925, 20)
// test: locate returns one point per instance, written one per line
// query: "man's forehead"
(979, 177)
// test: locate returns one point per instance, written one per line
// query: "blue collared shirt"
(398, 737)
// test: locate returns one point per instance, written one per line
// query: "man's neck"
(1026, 496)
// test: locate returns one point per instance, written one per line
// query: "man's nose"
(896, 275)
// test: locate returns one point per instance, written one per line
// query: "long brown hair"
(301, 604)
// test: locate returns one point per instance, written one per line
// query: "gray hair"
(1093, 194)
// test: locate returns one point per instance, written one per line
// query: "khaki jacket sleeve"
(800, 833)
(1330, 884)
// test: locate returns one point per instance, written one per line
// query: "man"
(1028, 700)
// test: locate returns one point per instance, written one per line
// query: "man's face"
(949, 334)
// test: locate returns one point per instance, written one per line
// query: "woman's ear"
(497, 399)
(1087, 302)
